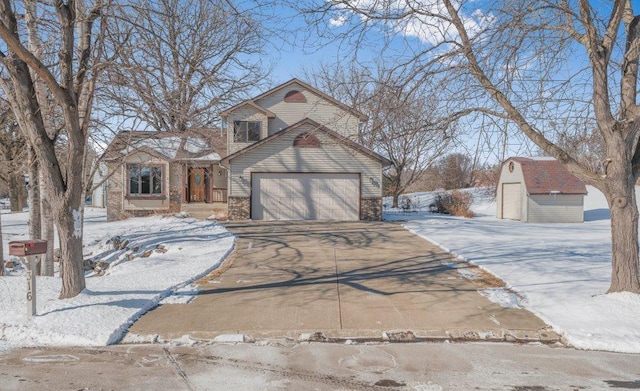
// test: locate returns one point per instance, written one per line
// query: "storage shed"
(539, 190)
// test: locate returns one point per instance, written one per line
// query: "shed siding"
(279, 155)
(510, 177)
(316, 108)
(561, 208)
(245, 113)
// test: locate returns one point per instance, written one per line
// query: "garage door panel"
(305, 196)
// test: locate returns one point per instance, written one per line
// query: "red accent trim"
(295, 96)
(306, 140)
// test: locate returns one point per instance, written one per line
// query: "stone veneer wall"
(175, 187)
(239, 208)
(371, 209)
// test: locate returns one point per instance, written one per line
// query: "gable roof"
(548, 176)
(251, 103)
(191, 145)
(314, 90)
(343, 140)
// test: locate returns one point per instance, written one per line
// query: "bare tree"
(404, 127)
(72, 34)
(179, 65)
(403, 122)
(13, 149)
(455, 171)
(532, 63)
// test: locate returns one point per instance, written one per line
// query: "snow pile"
(163, 255)
(560, 272)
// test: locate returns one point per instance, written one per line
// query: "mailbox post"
(29, 250)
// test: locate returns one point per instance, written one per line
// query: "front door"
(196, 185)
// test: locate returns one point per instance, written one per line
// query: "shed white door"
(286, 196)
(511, 201)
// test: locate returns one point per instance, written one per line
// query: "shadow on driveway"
(341, 278)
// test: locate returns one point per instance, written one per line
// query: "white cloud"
(338, 21)
(429, 23)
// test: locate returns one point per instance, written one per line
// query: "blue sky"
(294, 51)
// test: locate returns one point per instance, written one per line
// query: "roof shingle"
(548, 176)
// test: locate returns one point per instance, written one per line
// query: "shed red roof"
(547, 176)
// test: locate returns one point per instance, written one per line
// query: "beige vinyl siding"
(142, 204)
(560, 208)
(505, 178)
(279, 155)
(316, 108)
(245, 113)
(219, 176)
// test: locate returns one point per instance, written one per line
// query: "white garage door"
(511, 201)
(305, 196)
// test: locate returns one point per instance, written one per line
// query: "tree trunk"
(35, 224)
(46, 265)
(70, 227)
(396, 197)
(621, 196)
(17, 195)
(1, 249)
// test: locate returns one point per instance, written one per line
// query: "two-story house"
(294, 156)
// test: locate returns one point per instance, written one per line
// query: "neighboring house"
(159, 172)
(539, 190)
(294, 156)
(99, 185)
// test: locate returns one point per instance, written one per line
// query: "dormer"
(283, 106)
(246, 123)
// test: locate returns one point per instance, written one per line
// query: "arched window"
(295, 96)
(306, 140)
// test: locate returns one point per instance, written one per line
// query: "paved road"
(345, 280)
(317, 366)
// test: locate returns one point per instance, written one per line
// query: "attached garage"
(305, 172)
(288, 196)
(539, 190)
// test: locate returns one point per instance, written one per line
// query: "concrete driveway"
(345, 280)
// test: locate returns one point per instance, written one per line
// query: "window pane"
(134, 179)
(156, 174)
(254, 131)
(240, 131)
(145, 180)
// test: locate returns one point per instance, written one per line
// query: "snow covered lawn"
(179, 251)
(560, 271)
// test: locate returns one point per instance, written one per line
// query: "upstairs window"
(246, 131)
(145, 180)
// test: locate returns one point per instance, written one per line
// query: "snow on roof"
(167, 146)
(211, 156)
(548, 176)
(195, 145)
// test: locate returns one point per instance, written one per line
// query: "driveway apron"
(343, 279)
